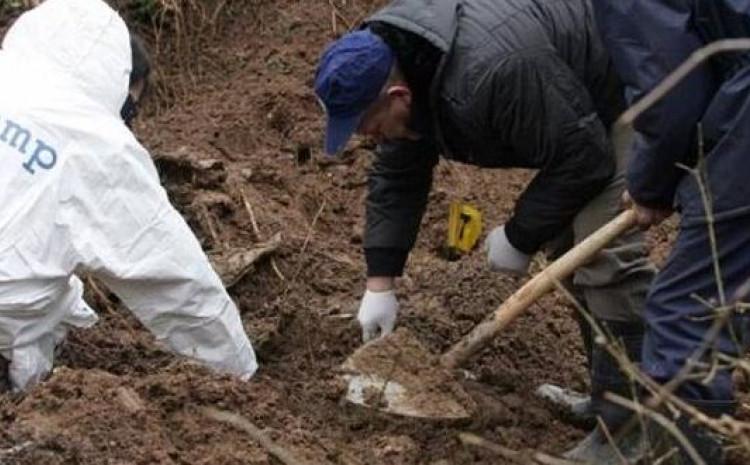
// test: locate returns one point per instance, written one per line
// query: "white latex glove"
(502, 256)
(377, 314)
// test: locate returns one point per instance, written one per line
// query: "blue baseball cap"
(350, 76)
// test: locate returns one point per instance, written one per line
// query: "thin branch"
(256, 231)
(208, 220)
(611, 441)
(661, 394)
(107, 303)
(251, 213)
(695, 60)
(308, 238)
(254, 432)
(541, 458)
(661, 420)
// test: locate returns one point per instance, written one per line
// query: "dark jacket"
(650, 38)
(521, 83)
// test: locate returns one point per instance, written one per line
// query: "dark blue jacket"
(647, 39)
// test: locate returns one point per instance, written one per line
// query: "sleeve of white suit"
(124, 230)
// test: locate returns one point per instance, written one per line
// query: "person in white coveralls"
(79, 193)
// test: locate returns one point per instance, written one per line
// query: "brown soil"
(245, 125)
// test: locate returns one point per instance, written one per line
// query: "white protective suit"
(79, 193)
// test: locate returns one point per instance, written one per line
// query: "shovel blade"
(391, 397)
(397, 375)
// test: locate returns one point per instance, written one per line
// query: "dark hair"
(416, 57)
(141, 61)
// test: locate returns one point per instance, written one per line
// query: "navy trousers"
(678, 317)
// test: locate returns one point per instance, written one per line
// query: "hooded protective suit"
(79, 193)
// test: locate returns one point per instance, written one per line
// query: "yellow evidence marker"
(464, 229)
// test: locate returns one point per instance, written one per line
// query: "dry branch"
(256, 231)
(663, 394)
(662, 421)
(537, 457)
(109, 307)
(308, 238)
(256, 433)
(232, 265)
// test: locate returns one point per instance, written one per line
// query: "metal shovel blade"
(398, 375)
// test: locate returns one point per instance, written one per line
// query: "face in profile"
(389, 116)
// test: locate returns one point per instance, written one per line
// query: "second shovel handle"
(535, 288)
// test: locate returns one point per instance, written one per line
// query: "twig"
(611, 440)
(661, 420)
(210, 224)
(698, 57)
(311, 230)
(344, 20)
(308, 238)
(249, 208)
(336, 15)
(665, 393)
(667, 455)
(234, 264)
(700, 177)
(471, 439)
(276, 270)
(623, 132)
(358, 19)
(256, 230)
(256, 433)
(334, 22)
(108, 304)
(216, 13)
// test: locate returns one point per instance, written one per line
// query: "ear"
(399, 92)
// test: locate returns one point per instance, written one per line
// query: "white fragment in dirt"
(467, 375)
(130, 400)
(233, 265)
(16, 449)
(341, 316)
(560, 396)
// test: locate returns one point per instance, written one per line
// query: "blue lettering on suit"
(39, 155)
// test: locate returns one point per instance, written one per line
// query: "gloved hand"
(377, 313)
(502, 256)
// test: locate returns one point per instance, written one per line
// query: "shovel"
(398, 375)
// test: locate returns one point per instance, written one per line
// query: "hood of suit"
(83, 42)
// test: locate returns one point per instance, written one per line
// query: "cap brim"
(338, 133)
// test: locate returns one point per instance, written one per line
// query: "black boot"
(573, 407)
(587, 337)
(606, 376)
(705, 444)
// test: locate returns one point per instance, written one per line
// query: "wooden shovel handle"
(537, 287)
